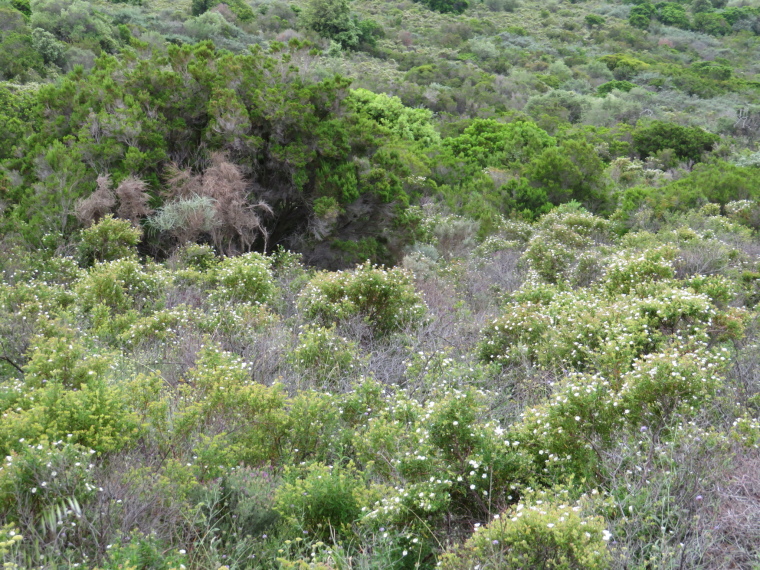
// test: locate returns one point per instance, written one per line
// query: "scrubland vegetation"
(332, 285)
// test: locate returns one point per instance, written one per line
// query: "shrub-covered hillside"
(358, 285)
(561, 392)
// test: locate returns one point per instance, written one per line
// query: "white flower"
(606, 535)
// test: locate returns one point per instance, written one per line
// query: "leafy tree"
(564, 105)
(672, 14)
(606, 88)
(12, 19)
(51, 50)
(711, 23)
(641, 15)
(332, 19)
(594, 20)
(487, 142)
(389, 112)
(22, 6)
(570, 171)
(699, 6)
(446, 6)
(18, 58)
(689, 143)
(73, 21)
(719, 183)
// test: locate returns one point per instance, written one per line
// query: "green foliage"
(672, 14)
(19, 59)
(688, 143)
(245, 278)
(120, 285)
(108, 240)
(542, 531)
(385, 298)
(389, 112)
(447, 6)
(711, 23)
(606, 88)
(51, 50)
(332, 19)
(324, 500)
(487, 142)
(594, 20)
(570, 171)
(73, 20)
(324, 355)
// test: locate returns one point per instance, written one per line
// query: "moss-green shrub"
(219, 390)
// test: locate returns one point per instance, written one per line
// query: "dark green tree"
(332, 19)
(688, 143)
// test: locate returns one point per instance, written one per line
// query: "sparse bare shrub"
(214, 203)
(237, 223)
(731, 529)
(133, 199)
(101, 202)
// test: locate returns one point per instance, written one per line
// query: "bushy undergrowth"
(546, 398)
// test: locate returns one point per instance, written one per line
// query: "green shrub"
(689, 143)
(65, 360)
(385, 298)
(108, 240)
(45, 483)
(594, 20)
(606, 88)
(121, 285)
(322, 499)
(542, 531)
(323, 355)
(220, 391)
(246, 278)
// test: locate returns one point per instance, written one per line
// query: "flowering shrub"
(560, 237)
(626, 271)
(591, 329)
(66, 360)
(44, 476)
(121, 285)
(247, 278)
(323, 355)
(542, 531)
(571, 430)
(384, 297)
